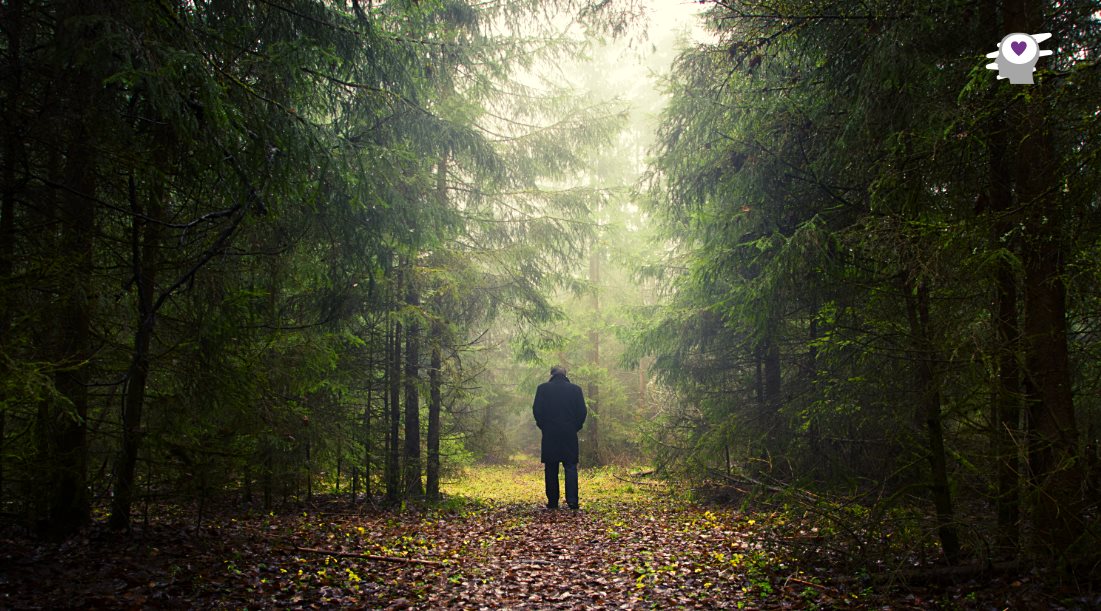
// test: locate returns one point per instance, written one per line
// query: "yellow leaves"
(672, 554)
(522, 482)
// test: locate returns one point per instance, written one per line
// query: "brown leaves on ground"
(512, 556)
(631, 557)
(634, 549)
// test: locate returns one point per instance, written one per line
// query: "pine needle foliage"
(826, 172)
(204, 204)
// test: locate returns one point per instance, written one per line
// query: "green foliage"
(254, 173)
(822, 172)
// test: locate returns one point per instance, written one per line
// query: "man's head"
(558, 370)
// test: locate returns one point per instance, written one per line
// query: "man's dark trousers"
(550, 476)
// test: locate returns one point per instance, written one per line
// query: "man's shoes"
(552, 505)
(574, 506)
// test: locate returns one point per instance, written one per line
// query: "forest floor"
(490, 545)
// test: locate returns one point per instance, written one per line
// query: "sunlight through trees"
(257, 253)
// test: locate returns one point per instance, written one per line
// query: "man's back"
(559, 406)
(559, 410)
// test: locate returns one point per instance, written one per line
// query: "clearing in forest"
(634, 545)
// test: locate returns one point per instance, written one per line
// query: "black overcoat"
(559, 410)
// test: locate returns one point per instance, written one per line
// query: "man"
(559, 410)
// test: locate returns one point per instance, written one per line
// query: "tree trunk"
(917, 308)
(768, 389)
(1053, 436)
(7, 255)
(1005, 409)
(644, 364)
(822, 468)
(435, 402)
(267, 475)
(393, 437)
(759, 376)
(13, 152)
(432, 469)
(1056, 470)
(772, 378)
(309, 469)
(367, 449)
(413, 485)
(593, 399)
(66, 426)
(144, 243)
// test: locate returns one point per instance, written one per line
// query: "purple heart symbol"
(1018, 46)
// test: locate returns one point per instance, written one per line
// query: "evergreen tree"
(821, 179)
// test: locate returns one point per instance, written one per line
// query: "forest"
(280, 279)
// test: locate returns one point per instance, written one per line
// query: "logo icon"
(1016, 57)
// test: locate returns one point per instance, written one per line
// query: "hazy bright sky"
(635, 65)
(632, 66)
(673, 15)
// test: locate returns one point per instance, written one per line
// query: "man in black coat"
(559, 410)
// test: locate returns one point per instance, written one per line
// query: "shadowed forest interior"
(825, 279)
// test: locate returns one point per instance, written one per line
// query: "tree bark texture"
(367, 446)
(593, 399)
(412, 473)
(928, 379)
(145, 244)
(393, 411)
(435, 400)
(772, 383)
(13, 153)
(435, 404)
(1054, 465)
(68, 505)
(1005, 409)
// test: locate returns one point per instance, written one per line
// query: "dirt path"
(630, 547)
(635, 557)
(627, 548)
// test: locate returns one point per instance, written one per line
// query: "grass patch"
(522, 482)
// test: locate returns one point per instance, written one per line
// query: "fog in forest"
(608, 291)
(826, 268)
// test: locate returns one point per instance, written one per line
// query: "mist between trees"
(255, 251)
